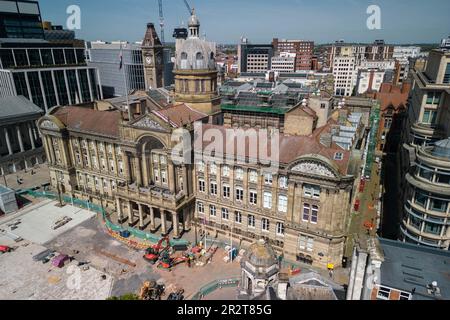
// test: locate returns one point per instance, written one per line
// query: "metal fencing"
(215, 285)
(148, 238)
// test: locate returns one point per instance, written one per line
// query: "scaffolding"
(372, 140)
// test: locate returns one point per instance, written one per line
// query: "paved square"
(36, 223)
(24, 279)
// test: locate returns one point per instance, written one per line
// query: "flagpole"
(125, 80)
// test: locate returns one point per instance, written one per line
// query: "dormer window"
(338, 156)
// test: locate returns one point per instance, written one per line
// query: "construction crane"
(161, 20)
(188, 6)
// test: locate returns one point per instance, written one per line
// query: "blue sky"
(225, 21)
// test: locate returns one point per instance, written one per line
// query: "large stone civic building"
(124, 157)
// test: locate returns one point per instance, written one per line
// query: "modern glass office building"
(20, 19)
(427, 208)
(47, 74)
(106, 58)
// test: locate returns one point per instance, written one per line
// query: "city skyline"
(319, 22)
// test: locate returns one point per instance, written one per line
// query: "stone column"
(171, 176)
(187, 219)
(163, 222)
(141, 217)
(138, 170)
(30, 133)
(130, 213)
(19, 136)
(8, 142)
(152, 219)
(126, 160)
(145, 169)
(119, 210)
(176, 225)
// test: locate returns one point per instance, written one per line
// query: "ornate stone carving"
(47, 124)
(314, 168)
(149, 123)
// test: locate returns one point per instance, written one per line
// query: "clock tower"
(152, 54)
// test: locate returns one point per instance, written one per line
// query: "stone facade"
(303, 210)
(119, 164)
(20, 144)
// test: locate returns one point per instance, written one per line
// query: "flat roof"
(408, 266)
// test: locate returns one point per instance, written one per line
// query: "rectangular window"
(283, 182)
(253, 176)
(310, 244)
(253, 197)
(226, 192)
(239, 173)
(429, 116)
(282, 204)
(267, 200)
(312, 191)
(213, 188)
(213, 169)
(200, 208)
(238, 217)
(201, 186)
(314, 214)
(226, 171)
(251, 221)
(446, 79)
(239, 194)
(156, 175)
(265, 223)
(213, 210)
(225, 214)
(405, 296)
(280, 228)
(306, 212)
(164, 176)
(268, 179)
(433, 98)
(384, 293)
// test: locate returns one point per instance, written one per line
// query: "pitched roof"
(290, 148)
(105, 123)
(18, 106)
(180, 115)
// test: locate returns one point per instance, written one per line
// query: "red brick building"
(303, 49)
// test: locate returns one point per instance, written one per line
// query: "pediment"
(314, 168)
(47, 124)
(151, 122)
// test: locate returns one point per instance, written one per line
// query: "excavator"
(150, 290)
(167, 262)
(153, 253)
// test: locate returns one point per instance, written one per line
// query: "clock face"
(148, 60)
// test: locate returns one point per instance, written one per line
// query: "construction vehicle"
(150, 290)
(167, 262)
(179, 295)
(153, 253)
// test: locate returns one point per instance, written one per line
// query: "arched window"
(184, 61)
(199, 60)
(212, 56)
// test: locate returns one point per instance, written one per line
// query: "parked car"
(60, 260)
(5, 249)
